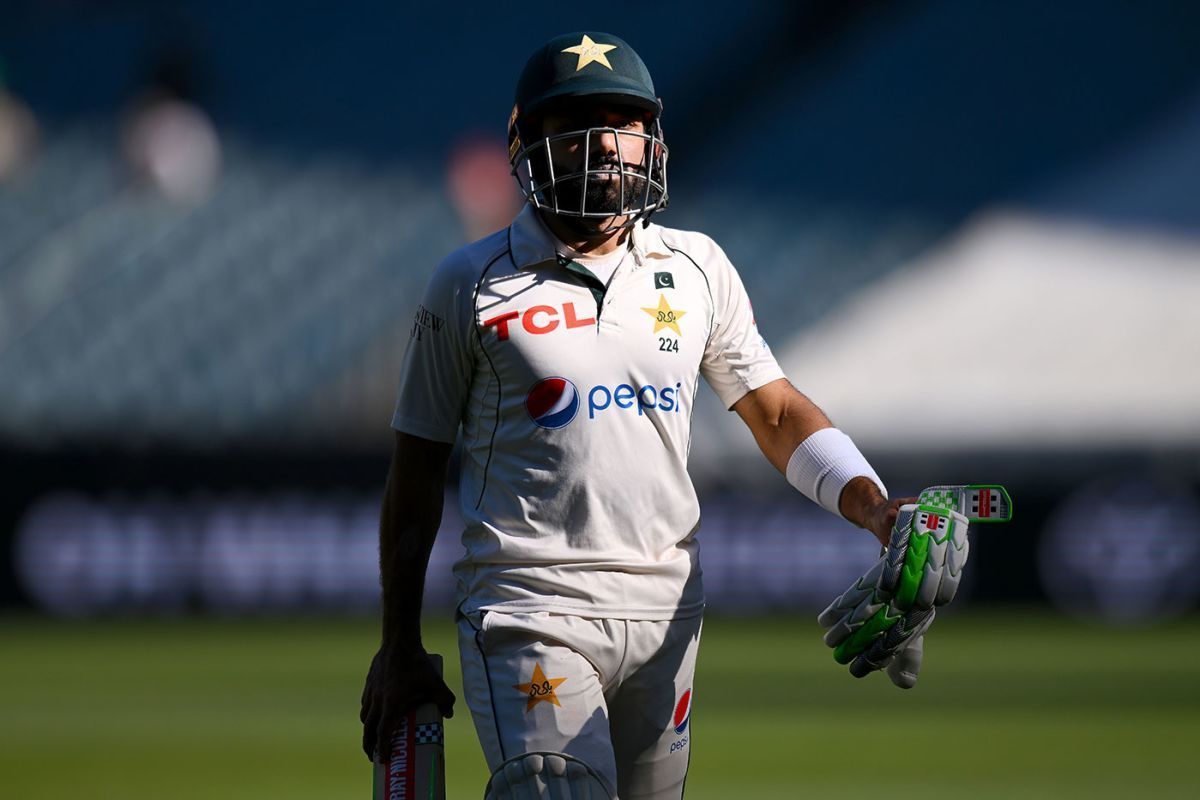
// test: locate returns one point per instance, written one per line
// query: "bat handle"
(414, 764)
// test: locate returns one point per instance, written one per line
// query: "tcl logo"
(539, 319)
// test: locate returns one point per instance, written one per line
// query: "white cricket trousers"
(613, 693)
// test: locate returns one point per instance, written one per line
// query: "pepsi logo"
(683, 710)
(552, 403)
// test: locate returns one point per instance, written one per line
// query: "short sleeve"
(737, 358)
(435, 375)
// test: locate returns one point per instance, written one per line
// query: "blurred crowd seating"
(123, 313)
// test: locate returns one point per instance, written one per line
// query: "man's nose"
(604, 141)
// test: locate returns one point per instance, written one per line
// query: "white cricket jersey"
(575, 403)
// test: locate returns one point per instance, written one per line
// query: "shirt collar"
(532, 243)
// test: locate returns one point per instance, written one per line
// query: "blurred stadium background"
(971, 232)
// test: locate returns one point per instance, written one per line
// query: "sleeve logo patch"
(426, 321)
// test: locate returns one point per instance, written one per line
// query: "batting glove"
(881, 620)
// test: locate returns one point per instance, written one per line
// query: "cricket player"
(568, 348)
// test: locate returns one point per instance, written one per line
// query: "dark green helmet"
(577, 70)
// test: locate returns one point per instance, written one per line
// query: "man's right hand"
(396, 684)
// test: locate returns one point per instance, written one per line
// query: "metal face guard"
(543, 187)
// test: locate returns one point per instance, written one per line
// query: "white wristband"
(824, 463)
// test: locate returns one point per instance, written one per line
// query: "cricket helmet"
(576, 71)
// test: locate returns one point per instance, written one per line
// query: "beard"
(603, 192)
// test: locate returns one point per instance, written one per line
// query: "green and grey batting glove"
(868, 631)
(924, 559)
(929, 544)
(880, 621)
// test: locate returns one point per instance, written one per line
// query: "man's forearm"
(409, 521)
(782, 419)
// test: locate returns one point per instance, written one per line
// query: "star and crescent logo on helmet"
(591, 52)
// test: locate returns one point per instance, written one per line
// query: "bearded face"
(596, 162)
(614, 180)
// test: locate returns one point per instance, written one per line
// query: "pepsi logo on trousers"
(683, 711)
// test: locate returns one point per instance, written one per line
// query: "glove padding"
(881, 620)
(925, 556)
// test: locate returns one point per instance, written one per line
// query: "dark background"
(177, 350)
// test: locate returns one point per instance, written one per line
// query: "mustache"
(607, 164)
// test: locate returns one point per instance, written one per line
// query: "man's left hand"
(863, 504)
(881, 517)
(880, 621)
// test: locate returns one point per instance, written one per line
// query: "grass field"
(1010, 705)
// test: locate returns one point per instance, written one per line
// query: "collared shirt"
(575, 403)
(603, 266)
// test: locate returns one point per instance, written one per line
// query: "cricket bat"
(978, 502)
(413, 767)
